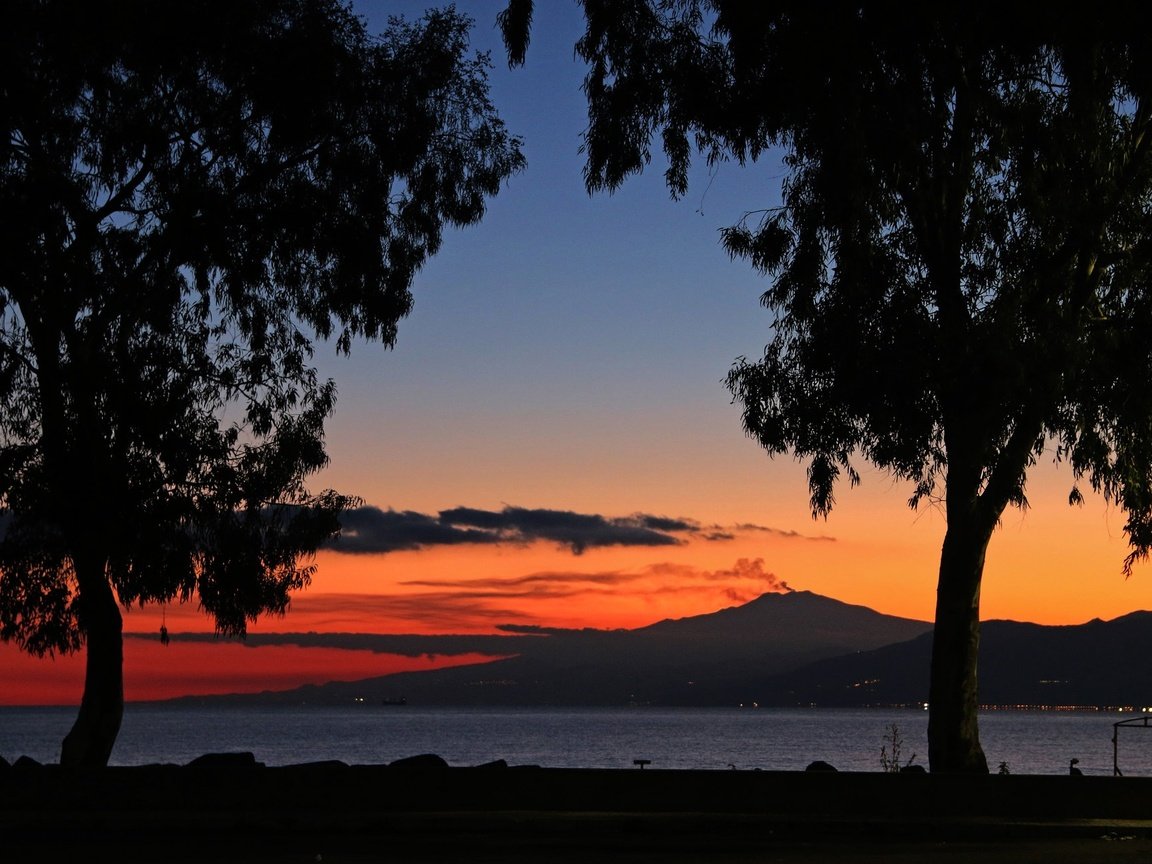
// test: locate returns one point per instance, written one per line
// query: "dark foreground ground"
(421, 813)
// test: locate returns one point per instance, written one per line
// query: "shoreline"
(232, 808)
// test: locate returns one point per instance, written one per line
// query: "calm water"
(769, 739)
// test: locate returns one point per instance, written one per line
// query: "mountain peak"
(792, 621)
(780, 603)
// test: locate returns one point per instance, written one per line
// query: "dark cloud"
(749, 574)
(372, 530)
(577, 531)
(443, 611)
(508, 604)
(489, 598)
(404, 645)
(779, 532)
(505, 583)
(532, 629)
(367, 530)
(663, 523)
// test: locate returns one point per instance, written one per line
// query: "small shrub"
(890, 751)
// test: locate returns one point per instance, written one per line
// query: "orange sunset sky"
(566, 357)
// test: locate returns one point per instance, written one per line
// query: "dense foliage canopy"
(186, 210)
(959, 264)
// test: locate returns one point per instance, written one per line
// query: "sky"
(550, 441)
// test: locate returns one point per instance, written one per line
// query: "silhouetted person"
(1073, 770)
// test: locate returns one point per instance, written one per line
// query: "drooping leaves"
(959, 255)
(187, 210)
(957, 262)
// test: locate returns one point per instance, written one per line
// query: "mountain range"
(781, 649)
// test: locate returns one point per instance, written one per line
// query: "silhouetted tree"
(959, 266)
(190, 197)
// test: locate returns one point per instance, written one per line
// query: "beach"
(230, 808)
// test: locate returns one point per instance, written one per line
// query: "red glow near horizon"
(153, 671)
(1068, 577)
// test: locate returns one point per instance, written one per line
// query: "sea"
(770, 739)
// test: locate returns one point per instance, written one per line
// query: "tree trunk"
(953, 735)
(89, 744)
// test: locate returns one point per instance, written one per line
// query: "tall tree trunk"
(89, 743)
(953, 734)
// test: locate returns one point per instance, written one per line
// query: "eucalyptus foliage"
(959, 261)
(192, 197)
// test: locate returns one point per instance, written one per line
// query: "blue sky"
(569, 352)
(565, 328)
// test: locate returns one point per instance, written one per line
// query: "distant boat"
(400, 701)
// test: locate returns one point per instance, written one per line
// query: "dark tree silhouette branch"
(959, 270)
(186, 209)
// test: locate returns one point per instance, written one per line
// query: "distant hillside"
(780, 649)
(1097, 663)
(700, 660)
(785, 627)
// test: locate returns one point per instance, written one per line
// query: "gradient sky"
(559, 384)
